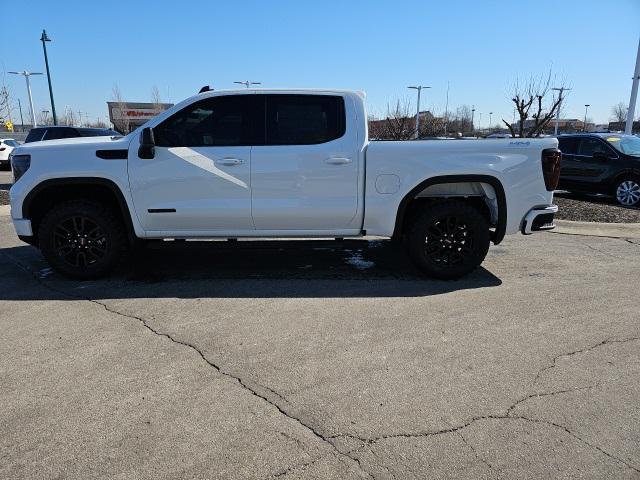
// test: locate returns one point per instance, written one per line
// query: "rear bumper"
(539, 219)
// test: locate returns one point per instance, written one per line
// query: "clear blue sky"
(480, 47)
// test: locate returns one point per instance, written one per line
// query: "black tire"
(82, 239)
(626, 191)
(449, 239)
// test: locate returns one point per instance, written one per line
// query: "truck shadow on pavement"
(254, 269)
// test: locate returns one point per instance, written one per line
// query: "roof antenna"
(205, 89)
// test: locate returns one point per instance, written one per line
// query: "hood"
(77, 142)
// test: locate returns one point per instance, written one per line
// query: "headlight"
(19, 165)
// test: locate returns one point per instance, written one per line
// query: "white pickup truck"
(274, 164)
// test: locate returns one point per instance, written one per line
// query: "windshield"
(628, 144)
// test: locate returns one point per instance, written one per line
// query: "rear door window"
(568, 145)
(304, 119)
(590, 146)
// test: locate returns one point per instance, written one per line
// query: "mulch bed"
(593, 208)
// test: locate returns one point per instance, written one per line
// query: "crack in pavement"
(368, 441)
(477, 455)
(554, 362)
(193, 347)
(602, 252)
(365, 442)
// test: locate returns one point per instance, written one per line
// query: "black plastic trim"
(57, 182)
(112, 154)
(161, 210)
(501, 227)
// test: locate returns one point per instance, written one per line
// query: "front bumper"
(23, 227)
(539, 219)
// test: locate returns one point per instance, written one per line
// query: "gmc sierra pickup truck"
(274, 164)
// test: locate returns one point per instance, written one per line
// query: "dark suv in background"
(606, 163)
(54, 132)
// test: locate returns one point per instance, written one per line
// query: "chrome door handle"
(230, 161)
(338, 160)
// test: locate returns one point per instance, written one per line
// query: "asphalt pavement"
(323, 360)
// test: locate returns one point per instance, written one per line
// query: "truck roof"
(285, 90)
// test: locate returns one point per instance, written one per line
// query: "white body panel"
(516, 164)
(209, 188)
(344, 187)
(310, 187)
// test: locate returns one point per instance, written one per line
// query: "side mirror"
(147, 149)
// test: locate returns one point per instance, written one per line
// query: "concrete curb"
(5, 210)
(594, 229)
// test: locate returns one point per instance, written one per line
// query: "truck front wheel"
(82, 239)
(449, 239)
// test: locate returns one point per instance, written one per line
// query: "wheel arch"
(54, 191)
(413, 195)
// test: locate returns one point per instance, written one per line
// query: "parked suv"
(54, 132)
(604, 163)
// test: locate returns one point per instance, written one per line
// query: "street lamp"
(634, 96)
(419, 89)
(247, 83)
(584, 125)
(490, 114)
(26, 76)
(561, 90)
(473, 112)
(45, 114)
(44, 39)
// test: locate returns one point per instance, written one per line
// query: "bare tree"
(619, 112)
(399, 124)
(535, 101)
(460, 121)
(120, 121)
(6, 107)
(44, 118)
(99, 123)
(155, 97)
(69, 118)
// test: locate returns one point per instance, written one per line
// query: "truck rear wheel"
(82, 239)
(449, 239)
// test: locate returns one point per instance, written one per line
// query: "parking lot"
(323, 360)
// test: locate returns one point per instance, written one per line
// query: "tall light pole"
(21, 120)
(247, 83)
(44, 39)
(26, 76)
(584, 125)
(446, 111)
(634, 96)
(473, 113)
(419, 89)
(561, 90)
(490, 115)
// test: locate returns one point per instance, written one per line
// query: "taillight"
(551, 158)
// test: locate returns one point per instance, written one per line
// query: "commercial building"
(127, 116)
